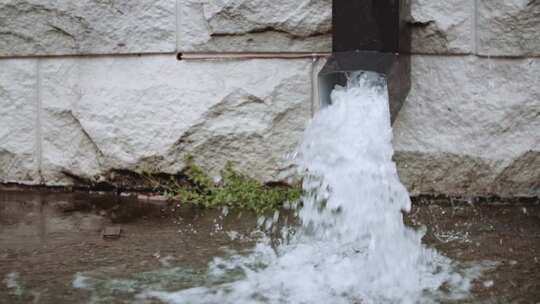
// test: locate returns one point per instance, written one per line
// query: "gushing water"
(352, 246)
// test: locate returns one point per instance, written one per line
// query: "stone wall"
(91, 88)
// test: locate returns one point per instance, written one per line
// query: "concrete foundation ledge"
(82, 118)
(469, 127)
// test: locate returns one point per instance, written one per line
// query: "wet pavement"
(503, 234)
(52, 248)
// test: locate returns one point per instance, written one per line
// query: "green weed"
(235, 190)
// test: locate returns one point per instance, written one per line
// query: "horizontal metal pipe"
(269, 55)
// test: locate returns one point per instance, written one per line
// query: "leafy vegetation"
(235, 190)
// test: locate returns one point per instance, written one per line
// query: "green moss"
(235, 190)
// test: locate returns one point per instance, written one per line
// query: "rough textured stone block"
(18, 120)
(147, 113)
(55, 27)
(442, 26)
(469, 124)
(509, 27)
(67, 148)
(255, 25)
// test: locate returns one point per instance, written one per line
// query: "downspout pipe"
(371, 36)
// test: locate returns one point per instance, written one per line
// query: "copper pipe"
(267, 55)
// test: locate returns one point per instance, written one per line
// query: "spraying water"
(352, 246)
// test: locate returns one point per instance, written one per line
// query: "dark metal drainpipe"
(369, 35)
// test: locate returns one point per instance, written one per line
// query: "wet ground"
(52, 248)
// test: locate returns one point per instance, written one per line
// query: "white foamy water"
(352, 246)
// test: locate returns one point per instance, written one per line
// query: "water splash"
(352, 246)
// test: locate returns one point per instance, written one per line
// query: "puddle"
(52, 250)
